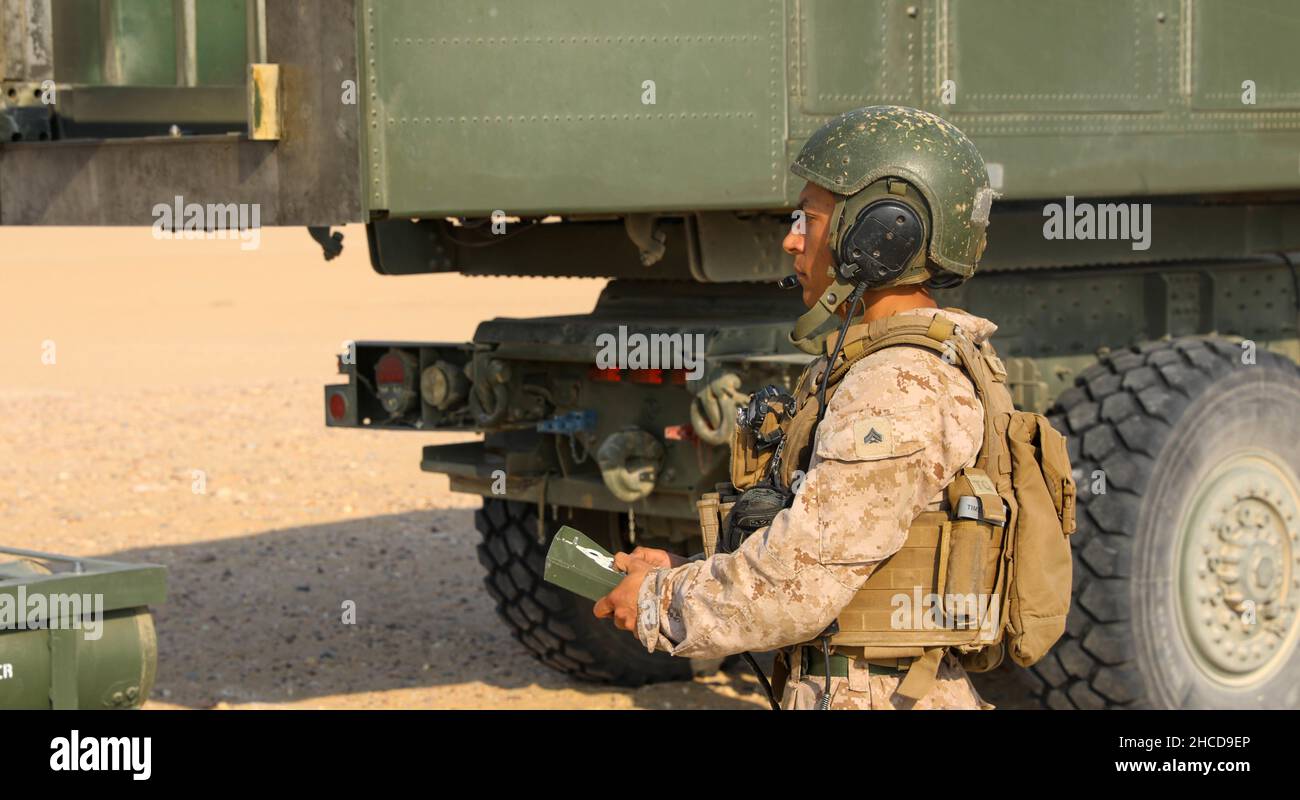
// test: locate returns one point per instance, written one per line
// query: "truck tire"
(556, 626)
(1187, 553)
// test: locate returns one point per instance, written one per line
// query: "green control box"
(576, 563)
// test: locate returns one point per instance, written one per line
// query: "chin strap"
(812, 328)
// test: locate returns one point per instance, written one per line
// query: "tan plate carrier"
(953, 573)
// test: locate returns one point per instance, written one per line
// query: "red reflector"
(680, 433)
(647, 376)
(338, 407)
(390, 369)
(610, 375)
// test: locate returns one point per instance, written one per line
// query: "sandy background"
(173, 356)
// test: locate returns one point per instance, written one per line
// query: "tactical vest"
(953, 584)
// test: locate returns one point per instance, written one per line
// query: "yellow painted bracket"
(264, 102)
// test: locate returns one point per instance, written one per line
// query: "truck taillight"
(395, 377)
(676, 377)
(390, 369)
(655, 376)
(338, 407)
(610, 375)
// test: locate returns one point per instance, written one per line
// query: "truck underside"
(1122, 360)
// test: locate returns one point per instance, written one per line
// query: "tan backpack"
(1038, 593)
(1017, 549)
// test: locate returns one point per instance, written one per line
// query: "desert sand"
(161, 402)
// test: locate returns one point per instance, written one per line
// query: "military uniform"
(921, 476)
(900, 427)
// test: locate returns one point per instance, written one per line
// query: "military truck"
(1140, 267)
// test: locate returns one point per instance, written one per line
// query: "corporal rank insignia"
(873, 437)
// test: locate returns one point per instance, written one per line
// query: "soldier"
(896, 203)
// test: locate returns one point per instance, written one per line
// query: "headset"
(877, 237)
(878, 234)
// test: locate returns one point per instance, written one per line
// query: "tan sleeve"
(899, 428)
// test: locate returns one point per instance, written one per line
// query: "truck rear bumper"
(474, 469)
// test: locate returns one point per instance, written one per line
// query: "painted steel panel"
(1220, 64)
(475, 105)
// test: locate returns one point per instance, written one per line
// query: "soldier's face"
(806, 241)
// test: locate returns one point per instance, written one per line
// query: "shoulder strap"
(941, 335)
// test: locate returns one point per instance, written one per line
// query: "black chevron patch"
(873, 437)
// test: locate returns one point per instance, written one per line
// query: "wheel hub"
(1239, 570)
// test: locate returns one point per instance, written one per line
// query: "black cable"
(854, 299)
(762, 679)
(749, 658)
(1295, 278)
(826, 654)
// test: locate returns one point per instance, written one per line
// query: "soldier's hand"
(659, 559)
(621, 603)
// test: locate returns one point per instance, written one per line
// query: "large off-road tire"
(1187, 554)
(556, 626)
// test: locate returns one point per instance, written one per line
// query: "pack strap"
(975, 482)
(945, 549)
(941, 329)
(922, 675)
(840, 665)
(939, 335)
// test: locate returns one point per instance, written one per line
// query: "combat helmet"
(912, 204)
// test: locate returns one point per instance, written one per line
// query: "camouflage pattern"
(901, 425)
(860, 147)
(862, 691)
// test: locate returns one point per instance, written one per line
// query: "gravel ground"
(182, 424)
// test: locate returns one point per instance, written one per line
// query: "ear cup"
(880, 243)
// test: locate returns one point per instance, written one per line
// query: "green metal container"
(76, 633)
